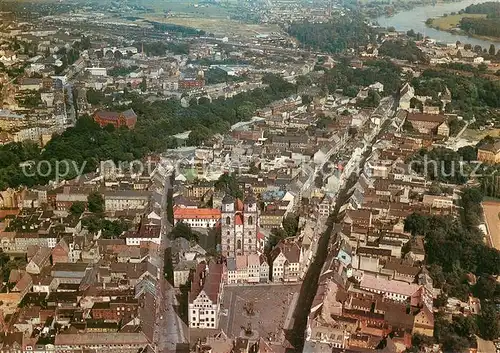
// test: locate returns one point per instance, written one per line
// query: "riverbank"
(416, 18)
(450, 24)
(378, 8)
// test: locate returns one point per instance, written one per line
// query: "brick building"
(127, 118)
(190, 83)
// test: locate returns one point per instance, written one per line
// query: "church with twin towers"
(239, 227)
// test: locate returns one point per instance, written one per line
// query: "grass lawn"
(446, 23)
(476, 135)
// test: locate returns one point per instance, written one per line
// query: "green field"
(217, 26)
(192, 8)
(447, 23)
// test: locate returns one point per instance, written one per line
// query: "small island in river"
(479, 20)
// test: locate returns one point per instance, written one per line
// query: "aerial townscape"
(247, 176)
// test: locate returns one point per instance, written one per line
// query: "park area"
(491, 211)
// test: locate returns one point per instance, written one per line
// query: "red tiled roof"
(238, 219)
(197, 213)
(239, 205)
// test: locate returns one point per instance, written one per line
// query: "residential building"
(436, 201)
(10, 120)
(60, 253)
(251, 268)
(147, 232)
(40, 260)
(286, 261)
(24, 240)
(272, 218)
(24, 285)
(69, 195)
(119, 200)
(120, 342)
(69, 272)
(30, 84)
(264, 269)
(182, 271)
(407, 92)
(394, 290)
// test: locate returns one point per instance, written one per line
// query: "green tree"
(291, 224)
(143, 86)
(306, 99)
(183, 230)
(486, 288)
(492, 50)
(468, 153)
(441, 301)
(277, 234)
(482, 67)
(419, 342)
(95, 203)
(95, 97)
(435, 188)
(77, 208)
(228, 182)
(253, 168)
(488, 322)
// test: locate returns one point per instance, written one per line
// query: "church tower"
(227, 226)
(239, 226)
(250, 219)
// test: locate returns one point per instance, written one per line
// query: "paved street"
(310, 283)
(170, 330)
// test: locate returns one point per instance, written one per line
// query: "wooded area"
(87, 143)
(335, 36)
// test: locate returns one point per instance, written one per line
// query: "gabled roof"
(289, 249)
(25, 282)
(227, 199)
(434, 118)
(207, 280)
(41, 256)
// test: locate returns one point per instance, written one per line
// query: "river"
(415, 19)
